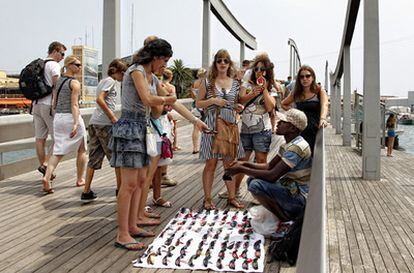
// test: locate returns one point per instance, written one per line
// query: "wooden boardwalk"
(57, 233)
(370, 223)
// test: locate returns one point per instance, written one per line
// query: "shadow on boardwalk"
(57, 233)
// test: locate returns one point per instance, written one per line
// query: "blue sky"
(29, 26)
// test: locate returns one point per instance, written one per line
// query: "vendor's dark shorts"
(99, 136)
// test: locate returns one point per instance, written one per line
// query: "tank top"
(63, 103)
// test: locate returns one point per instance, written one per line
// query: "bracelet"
(194, 120)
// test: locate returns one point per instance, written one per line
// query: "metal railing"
(17, 134)
(312, 250)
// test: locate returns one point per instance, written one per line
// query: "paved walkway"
(57, 233)
(370, 223)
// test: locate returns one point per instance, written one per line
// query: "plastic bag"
(263, 221)
(151, 142)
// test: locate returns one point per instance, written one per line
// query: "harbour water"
(407, 138)
(406, 144)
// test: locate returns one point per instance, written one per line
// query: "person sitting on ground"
(281, 185)
(100, 126)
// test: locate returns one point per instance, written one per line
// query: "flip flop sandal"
(127, 246)
(159, 203)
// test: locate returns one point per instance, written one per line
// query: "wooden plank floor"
(370, 223)
(57, 233)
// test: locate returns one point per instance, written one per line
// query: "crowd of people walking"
(140, 142)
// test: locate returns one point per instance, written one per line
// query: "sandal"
(149, 212)
(235, 203)
(47, 190)
(160, 202)
(130, 246)
(42, 170)
(208, 204)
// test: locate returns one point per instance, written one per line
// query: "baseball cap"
(296, 117)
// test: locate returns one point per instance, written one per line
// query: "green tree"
(182, 78)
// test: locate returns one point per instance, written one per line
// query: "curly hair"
(269, 76)
(155, 48)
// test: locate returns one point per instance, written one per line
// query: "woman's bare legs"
(81, 160)
(128, 200)
(390, 145)
(51, 166)
(208, 178)
(231, 189)
(195, 137)
(142, 218)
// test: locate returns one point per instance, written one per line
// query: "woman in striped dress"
(226, 93)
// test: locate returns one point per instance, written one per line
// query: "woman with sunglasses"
(219, 93)
(310, 98)
(256, 129)
(69, 129)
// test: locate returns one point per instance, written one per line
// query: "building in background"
(89, 74)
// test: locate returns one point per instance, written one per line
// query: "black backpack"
(286, 249)
(32, 80)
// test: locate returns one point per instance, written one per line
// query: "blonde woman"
(69, 128)
(225, 100)
(198, 112)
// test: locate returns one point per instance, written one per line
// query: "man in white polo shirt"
(42, 108)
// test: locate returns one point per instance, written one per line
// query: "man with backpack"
(42, 107)
(281, 185)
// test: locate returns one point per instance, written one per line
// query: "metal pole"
(206, 34)
(346, 136)
(332, 101)
(338, 113)
(110, 33)
(371, 150)
(290, 62)
(241, 52)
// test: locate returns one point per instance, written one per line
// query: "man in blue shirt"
(281, 185)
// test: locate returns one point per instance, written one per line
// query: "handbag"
(226, 141)
(166, 145)
(151, 141)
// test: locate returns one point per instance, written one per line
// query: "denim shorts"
(391, 133)
(258, 142)
(128, 142)
(292, 204)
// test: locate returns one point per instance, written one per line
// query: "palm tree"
(182, 77)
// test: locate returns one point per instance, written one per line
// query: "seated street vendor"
(281, 185)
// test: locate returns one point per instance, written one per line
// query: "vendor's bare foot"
(146, 221)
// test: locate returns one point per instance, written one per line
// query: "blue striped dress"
(226, 112)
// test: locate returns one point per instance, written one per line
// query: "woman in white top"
(69, 128)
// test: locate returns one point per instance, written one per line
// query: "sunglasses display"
(222, 60)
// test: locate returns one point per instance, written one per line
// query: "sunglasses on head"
(222, 60)
(305, 76)
(62, 53)
(78, 65)
(258, 69)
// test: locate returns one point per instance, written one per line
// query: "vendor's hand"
(220, 102)
(233, 169)
(73, 131)
(238, 107)
(201, 126)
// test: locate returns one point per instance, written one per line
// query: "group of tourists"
(223, 96)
